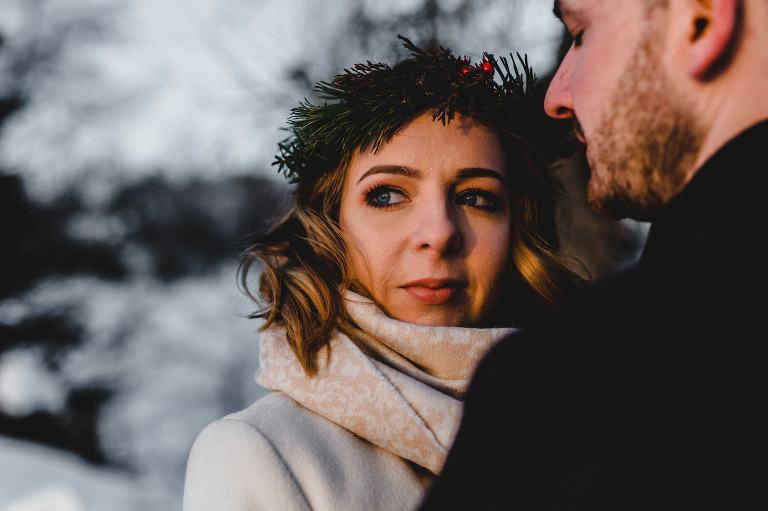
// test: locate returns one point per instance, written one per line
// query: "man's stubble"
(647, 142)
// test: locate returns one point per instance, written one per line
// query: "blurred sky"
(119, 89)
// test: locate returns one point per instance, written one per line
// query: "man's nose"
(558, 102)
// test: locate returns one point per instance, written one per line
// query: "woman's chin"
(452, 312)
(433, 321)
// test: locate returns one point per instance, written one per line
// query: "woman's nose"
(437, 228)
(558, 102)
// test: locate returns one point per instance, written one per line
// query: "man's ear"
(713, 31)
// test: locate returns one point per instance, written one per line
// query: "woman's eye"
(383, 197)
(476, 199)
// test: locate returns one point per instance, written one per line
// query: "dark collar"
(725, 193)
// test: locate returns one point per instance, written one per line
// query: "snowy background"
(136, 138)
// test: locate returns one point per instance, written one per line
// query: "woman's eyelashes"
(384, 196)
(479, 199)
(387, 196)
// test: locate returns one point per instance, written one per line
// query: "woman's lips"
(434, 291)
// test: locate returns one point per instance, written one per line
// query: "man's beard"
(646, 144)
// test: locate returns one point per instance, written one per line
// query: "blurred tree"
(194, 230)
(192, 227)
(424, 24)
(46, 30)
(174, 230)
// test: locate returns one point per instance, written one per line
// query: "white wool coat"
(278, 455)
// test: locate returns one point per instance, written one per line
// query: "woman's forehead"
(425, 146)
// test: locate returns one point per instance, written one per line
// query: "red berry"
(488, 67)
(465, 70)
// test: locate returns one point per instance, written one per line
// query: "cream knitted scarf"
(398, 385)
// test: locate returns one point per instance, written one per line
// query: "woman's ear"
(714, 28)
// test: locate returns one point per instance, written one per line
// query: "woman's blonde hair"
(303, 261)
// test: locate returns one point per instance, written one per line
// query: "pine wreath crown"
(367, 104)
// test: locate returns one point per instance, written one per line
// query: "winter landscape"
(136, 139)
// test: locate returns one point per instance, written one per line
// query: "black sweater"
(650, 389)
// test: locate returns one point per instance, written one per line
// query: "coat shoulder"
(276, 454)
(234, 466)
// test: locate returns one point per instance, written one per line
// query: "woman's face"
(427, 220)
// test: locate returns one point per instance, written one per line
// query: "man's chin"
(603, 208)
(614, 206)
(606, 200)
(605, 195)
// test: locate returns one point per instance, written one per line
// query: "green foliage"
(367, 104)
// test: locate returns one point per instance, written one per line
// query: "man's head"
(646, 81)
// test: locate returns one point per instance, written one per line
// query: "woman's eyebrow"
(480, 172)
(391, 169)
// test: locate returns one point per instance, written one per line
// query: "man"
(650, 390)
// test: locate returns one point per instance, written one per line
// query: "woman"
(422, 233)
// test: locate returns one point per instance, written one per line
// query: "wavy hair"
(303, 261)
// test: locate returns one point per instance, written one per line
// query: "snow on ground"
(176, 356)
(26, 385)
(37, 478)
